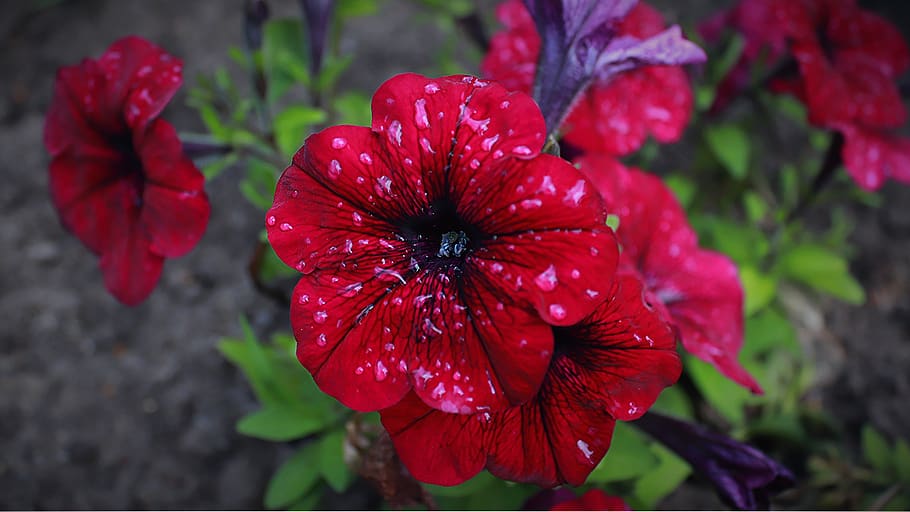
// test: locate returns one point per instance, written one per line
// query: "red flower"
(613, 116)
(871, 156)
(611, 366)
(848, 59)
(700, 289)
(118, 178)
(437, 247)
(594, 499)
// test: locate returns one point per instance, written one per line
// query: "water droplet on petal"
(285, 226)
(420, 113)
(334, 169)
(366, 159)
(320, 316)
(339, 142)
(359, 370)
(557, 311)
(585, 449)
(321, 340)
(358, 220)
(380, 371)
(431, 88)
(522, 150)
(546, 280)
(271, 220)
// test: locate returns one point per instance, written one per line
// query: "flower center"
(453, 244)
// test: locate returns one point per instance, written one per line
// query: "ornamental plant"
(501, 290)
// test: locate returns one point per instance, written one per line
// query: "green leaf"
(744, 244)
(212, 169)
(294, 478)
(353, 8)
(876, 450)
(729, 58)
(293, 125)
(759, 288)
(901, 460)
(472, 486)
(331, 461)
(628, 457)
(767, 331)
(280, 423)
(675, 402)
(720, 392)
(664, 479)
(284, 56)
(789, 186)
(613, 221)
(683, 188)
(822, 270)
(353, 108)
(731, 146)
(332, 68)
(309, 501)
(258, 186)
(756, 207)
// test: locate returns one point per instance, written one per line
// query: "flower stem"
(823, 176)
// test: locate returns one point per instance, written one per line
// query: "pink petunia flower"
(119, 178)
(437, 247)
(616, 114)
(610, 366)
(699, 289)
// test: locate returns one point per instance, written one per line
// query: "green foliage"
(823, 270)
(629, 457)
(294, 479)
(654, 486)
(731, 146)
(258, 186)
(284, 57)
(292, 126)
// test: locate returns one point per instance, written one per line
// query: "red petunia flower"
(437, 247)
(594, 499)
(699, 289)
(119, 178)
(872, 156)
(848, 59)
(610, 366)
(616, 114)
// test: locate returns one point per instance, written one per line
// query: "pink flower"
(119, 178)
(618, 111)
(699, 289)
(437, 248)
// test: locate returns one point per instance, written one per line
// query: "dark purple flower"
(318, 14)
(743, 477)
(579, 43)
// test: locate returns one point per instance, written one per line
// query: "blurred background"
(104, 406)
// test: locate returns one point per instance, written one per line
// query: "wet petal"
(871, 157)
(700, 289)
(559, 262)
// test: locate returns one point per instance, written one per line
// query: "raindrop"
(522, 150)
(546, 280)
(320, 317)
(321, 340)
(383, 186)
(285, 226)
(530, 204)
(557, 311)
(487, 143)
(420, 114)
(334, 169)
(339, 143)
(359, 370)
(575, 194)
(431, 88)
(585, 449)
(366, 159)
(271, 220)
(303, 299)
(380, 372)
(395, 131)
(358, 220)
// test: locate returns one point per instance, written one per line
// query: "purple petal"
(743, 477)
(318, 14)
(667, 48)
(579, 42)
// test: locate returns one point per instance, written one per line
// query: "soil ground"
(104, 406)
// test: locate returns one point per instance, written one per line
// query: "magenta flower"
(437, 248)
(699, 289)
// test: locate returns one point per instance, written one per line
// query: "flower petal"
(561, 434)
(700, 289)
(536, 252)
(615, 117)
(130, 269)
(871, 157)
(175, 209)
(141, 79)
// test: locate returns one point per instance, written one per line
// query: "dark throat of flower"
(131, 164)
(440, 236)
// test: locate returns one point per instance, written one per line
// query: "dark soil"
(104, 406)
